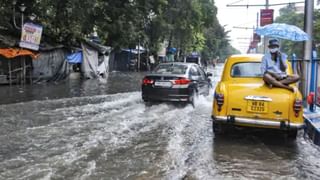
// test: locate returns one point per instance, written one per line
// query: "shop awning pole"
(9, 65)
(24, 70)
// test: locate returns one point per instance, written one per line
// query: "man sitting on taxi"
(274, 68)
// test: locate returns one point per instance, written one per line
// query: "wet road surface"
(103, 130)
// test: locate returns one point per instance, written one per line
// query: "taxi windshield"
(246, 69)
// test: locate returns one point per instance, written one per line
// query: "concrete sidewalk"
(312, 123)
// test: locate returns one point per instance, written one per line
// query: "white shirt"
(270, 65)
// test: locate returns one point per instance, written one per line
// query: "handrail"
(307, 60)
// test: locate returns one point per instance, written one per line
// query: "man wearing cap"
(274, 68)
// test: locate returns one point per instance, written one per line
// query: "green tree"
(288, 15)
(188, 25)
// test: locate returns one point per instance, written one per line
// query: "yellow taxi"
(243, 99)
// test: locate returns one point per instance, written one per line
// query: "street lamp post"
(14, 2)
(22, 9)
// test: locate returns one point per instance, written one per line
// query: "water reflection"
(117, 82)
(259, 154)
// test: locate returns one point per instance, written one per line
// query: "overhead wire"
(235, 2)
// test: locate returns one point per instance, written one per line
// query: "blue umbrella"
(283, 31)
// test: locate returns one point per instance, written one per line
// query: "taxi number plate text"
(257, 106)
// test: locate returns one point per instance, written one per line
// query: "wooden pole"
(9, 65)
(21, 70)
(24, 70)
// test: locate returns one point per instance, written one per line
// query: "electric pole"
(265, 39)
(308, 26)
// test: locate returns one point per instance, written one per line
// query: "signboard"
(266, 16)
(31, 36)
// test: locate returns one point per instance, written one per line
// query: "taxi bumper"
(269, 123)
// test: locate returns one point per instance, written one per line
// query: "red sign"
(266, 16)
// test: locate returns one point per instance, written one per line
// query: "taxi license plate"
(163, 83)
(257, 106)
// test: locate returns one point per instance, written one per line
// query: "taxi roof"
(245, 58)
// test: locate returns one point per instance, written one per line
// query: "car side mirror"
(209, 74)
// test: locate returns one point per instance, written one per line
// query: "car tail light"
(182, 81)
(297, 106)
(220, 100)
(147, 81)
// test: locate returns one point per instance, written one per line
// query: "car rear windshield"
(247, 69)
(171, 69)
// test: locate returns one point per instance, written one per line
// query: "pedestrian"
(274, 68)
(152, 61)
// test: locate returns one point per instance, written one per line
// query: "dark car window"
(192, 60)
(194, 71)
(246, 69)
(194, 74)
(202, 73)
(171, 69)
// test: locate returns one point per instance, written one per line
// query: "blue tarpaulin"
(75, 57)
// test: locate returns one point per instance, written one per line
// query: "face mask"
(274, 50)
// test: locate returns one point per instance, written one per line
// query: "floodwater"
(103, 130)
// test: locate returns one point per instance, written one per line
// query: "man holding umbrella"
(274, 68)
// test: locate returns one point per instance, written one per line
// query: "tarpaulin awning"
(14, 52)
(75, 57)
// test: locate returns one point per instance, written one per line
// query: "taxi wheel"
(218, 128)
(292, 134)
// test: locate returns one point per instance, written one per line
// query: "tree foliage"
(188, 25)
(289, 15)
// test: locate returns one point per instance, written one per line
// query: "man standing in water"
(274, 68)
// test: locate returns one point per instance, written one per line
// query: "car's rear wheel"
(216, 127)
(148, 102)
(193, 97)
(220, 129)
(292, 134)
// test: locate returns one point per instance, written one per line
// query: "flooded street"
(103, 130)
